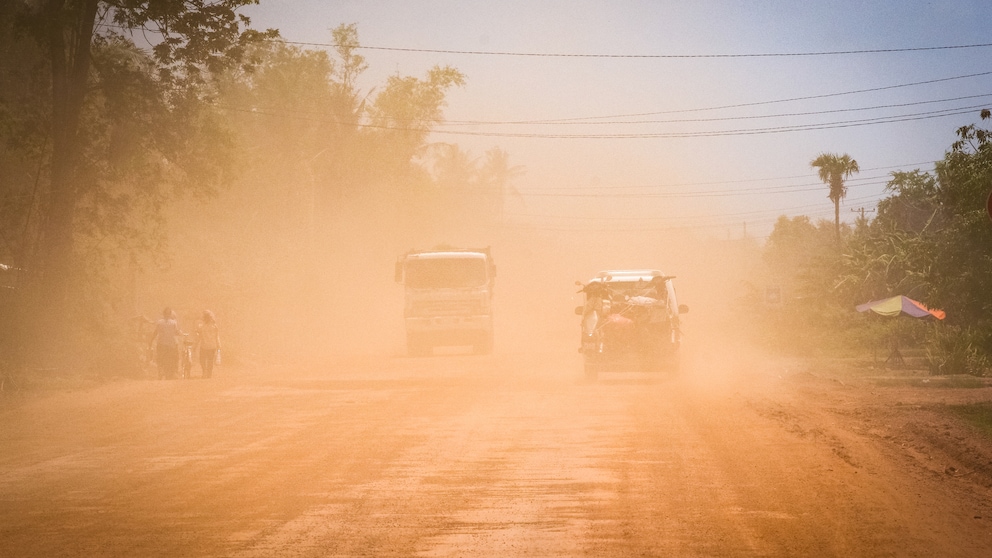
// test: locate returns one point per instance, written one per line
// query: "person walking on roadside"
(208, 337)
(167, 351)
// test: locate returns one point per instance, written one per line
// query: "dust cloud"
(293, 290)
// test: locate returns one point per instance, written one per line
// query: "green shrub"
(956, 350)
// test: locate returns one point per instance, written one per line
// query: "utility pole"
(861, 213)
(862, 210)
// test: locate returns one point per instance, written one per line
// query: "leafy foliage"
(216, 149)
(100, 135)
(328, 173)
(957, 350)
(198, 38)
(930, 241)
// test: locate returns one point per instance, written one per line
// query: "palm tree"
(833, 169)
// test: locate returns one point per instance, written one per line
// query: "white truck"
(449, 298)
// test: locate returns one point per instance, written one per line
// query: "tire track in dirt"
(506, 455)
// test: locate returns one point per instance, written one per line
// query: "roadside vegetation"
(978, 415)
(929, 240)
(222, 155)
(144, 141)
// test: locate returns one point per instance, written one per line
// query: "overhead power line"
(687, 222)
(599, 119)
(592, 120)
(769, 102)
(719, 133)
(659, 135)
(105, 25)
(642, 56)
(596, 119)
(853, 181)
(775, 211)
(699, 194)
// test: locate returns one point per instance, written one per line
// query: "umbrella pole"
(895, 355)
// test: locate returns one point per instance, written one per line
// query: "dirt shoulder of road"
(934, 427)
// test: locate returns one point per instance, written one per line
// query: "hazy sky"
(718, 173)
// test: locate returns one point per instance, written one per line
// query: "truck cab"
(448, 299)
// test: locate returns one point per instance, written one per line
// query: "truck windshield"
(451, 273)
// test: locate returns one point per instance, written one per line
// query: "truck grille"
(444, 308)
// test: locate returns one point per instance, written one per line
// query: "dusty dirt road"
(509, 455)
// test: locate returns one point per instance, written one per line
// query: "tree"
(833, 169)
(962, 278)
(802, 257)
(195, 39)
(322, 197)
(497, 174)
(893, 254)
(914, 206)
(404, 111)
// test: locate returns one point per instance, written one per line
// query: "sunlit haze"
(661, 62)
(626, 159)
(501, 278)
